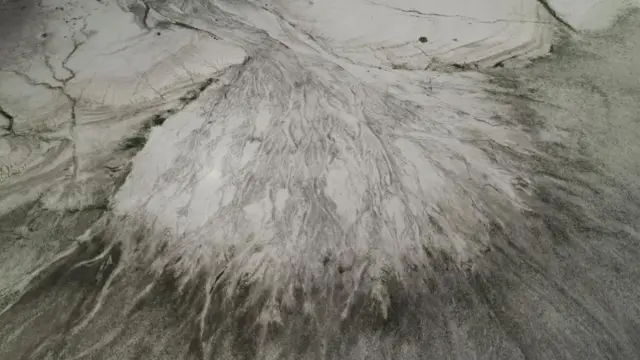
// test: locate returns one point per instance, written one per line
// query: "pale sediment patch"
(363, 171)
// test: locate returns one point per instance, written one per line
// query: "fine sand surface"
(338, 179)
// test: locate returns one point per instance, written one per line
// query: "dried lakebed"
(252, 180)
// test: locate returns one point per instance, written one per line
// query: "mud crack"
(9, 117)
(554, 14)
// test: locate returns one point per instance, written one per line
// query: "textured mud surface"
(236, 180)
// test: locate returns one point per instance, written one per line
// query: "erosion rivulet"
(302, 209)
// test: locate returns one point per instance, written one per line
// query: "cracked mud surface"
(292, 180)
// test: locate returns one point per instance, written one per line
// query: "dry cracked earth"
(305, 179)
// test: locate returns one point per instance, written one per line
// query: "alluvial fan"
(267, 186)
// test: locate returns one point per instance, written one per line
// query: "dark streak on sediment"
(73, 100)
(191, 27)
(555, 15)
(139, 139)
(141, 14)
(9, 117)
(5, 114)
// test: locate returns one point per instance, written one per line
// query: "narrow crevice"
(145, 16)
(76, 46)
(417, 13)
(141, 14)
(76, 165)
(72, 100)
(164, 24)
(5, 114)
(9, 117)
(33, 82)
(191, 27)
(554, 14)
